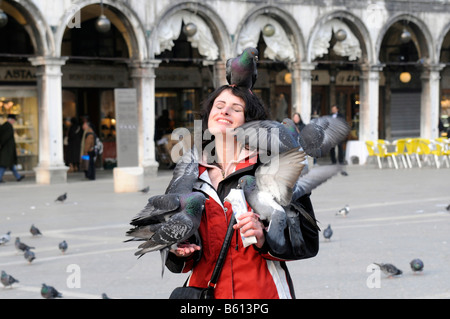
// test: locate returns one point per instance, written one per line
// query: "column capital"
(47, 60)
(372, 67)
(301, 66)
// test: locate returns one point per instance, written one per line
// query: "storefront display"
(23, 104)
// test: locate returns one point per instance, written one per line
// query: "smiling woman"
(252, 271)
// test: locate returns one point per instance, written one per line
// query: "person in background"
(8, 152)
(88, 155)
(74, 137)
(297, 118)
(335, 113)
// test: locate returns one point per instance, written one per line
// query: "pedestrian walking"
(8, 152)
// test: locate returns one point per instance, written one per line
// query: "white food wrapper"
(237, 199)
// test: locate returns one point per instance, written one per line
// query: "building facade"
(384, 63)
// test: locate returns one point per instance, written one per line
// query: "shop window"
(22, 103)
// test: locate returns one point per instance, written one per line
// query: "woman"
(255, 271)
(74, 143)
(297, 118)
(88, 156)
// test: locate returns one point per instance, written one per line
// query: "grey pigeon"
(389, 270)
(29, 255)
(448, 208)
(269, 192)
(105, 296)
(63, 246)
(328, 232)
(343, 211)
(5, 238)
(21, 246)
(242, 71)
(35, 231)
(316, 139)
(7, 280)
(49, 292)
(61, 198)
(145, 190)
(416, 265)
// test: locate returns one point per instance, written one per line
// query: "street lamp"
(103, 24)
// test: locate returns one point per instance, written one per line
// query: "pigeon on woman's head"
(241, 70)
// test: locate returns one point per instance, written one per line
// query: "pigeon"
(49, 292)
(35, 231)
(241, 71)
(8, 280)
(5, 238)
(63, 246)
(29, 255)
(448, 208)
(327, 233)
(316, 139)
(389, 270)
(416, 265)
(105, 296)
(174, 217)
(269, 192)
(343, 211)
(145, 190)
(61, 198)
(21, 246)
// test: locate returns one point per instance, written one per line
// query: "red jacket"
(248, 273)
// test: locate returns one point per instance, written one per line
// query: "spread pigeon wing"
(323, 133)
(157, 209)
(279, 176)
(315, 177)
(266, 135)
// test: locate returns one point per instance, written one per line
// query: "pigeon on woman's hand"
(242, 71)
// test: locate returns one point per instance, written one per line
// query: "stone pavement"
(395, 216)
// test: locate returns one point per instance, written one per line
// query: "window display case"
(22, 103)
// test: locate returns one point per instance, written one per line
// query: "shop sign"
(17, 74)
(178, 77)
(94, 76)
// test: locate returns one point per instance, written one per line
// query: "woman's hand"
(185, 250)
(250, 225)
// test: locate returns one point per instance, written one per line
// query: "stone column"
(301, 89)
(51, 168)
(369, 102)
(429, 109)
(220, 74)
(143, 76)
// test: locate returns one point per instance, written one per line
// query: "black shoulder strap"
(223, 253)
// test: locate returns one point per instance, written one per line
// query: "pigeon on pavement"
(5, 238)
(63, 246)
(7, 280)
(49, 292)
(416, 265)
(35, 231)
(21, 246)
(448, 208)
(242, 71)
(61, 198)
(29, 255)
(328, 232)
(343, 211)
(389, 270)
(145, 190)
(269, 192)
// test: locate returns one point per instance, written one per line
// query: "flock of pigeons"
(8, 280)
